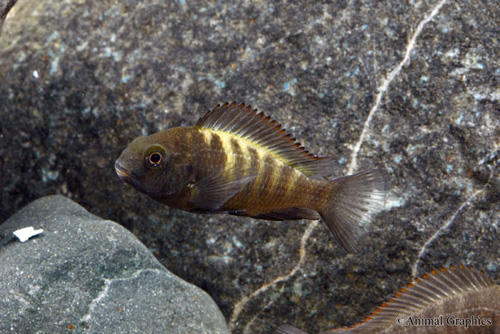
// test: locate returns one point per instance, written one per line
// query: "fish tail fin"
(352, 201)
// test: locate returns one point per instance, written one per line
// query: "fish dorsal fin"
(421, 294)
(287, 329)
(243, 121)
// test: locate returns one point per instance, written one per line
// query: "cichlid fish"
(455, 300)
(237, 161)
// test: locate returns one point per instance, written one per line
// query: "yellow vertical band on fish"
(290, 186)
(244, 143)
(226, 146)
(207, 136)
(245, 147)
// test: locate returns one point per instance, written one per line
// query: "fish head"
(154, 168)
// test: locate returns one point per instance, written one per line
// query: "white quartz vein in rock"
(381, 91)
(107, 284)
(241, 304)
(250, 323)
(385, 84)
(447, 224)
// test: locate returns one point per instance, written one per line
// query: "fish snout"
(122, 172)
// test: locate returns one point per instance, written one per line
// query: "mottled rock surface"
(80, 79)
(88, 275)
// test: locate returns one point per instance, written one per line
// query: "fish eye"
(155, 159)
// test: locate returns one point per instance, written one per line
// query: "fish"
(239, 161)
(450, 300)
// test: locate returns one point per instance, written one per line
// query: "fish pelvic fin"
(352, 201)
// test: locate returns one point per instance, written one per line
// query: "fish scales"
(271, 191)
(275, 187)
(236, 160)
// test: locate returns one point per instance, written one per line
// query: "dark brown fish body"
(273, 185)
(458, 300)
(238, 161)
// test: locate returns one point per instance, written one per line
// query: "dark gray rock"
(90, 275)
(80, 79)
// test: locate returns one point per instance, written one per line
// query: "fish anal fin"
(245, 122)
(289, 214)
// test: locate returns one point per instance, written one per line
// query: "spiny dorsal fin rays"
(287, 329)
(424, 292)
(247, 123)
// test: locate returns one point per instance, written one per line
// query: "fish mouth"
(122, 172)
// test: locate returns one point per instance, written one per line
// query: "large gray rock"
(92, 276)
(79, 79)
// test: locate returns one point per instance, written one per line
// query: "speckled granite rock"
(80, 79)
(88, 275)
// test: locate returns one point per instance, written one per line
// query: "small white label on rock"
(26, 233)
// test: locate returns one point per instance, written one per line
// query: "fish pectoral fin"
(213, 191)
(290, 214)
